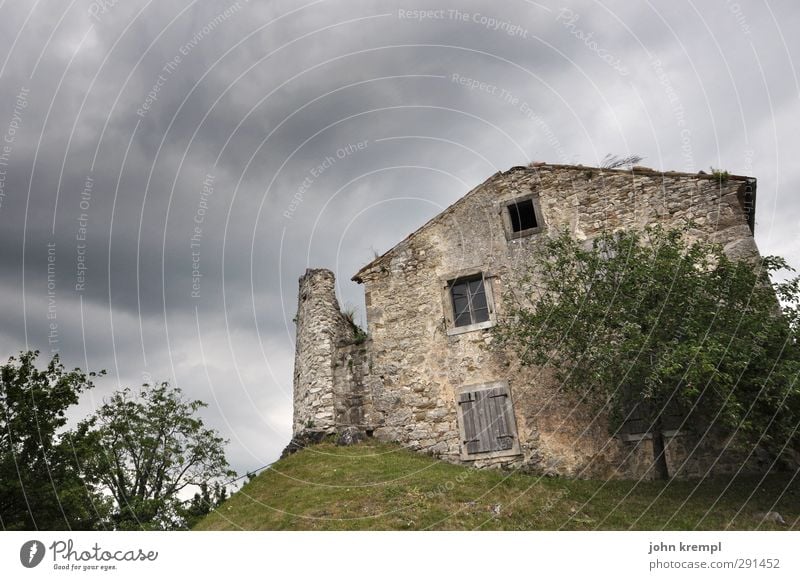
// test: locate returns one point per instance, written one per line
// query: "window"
(522, 216)
(486, 421)
(469, 301)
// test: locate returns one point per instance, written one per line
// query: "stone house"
(425, 375)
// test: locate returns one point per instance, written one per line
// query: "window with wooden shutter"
(486, 421)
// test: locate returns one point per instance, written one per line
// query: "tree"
(205, 500)
(648, 322)
(40, 483)
(147, 446)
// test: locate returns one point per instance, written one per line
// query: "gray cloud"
(268, 102)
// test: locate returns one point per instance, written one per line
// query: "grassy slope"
(375, 486)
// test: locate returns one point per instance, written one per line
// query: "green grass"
(374, 486)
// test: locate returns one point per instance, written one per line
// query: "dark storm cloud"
(247, 141)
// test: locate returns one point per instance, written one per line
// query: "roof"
(748, 202)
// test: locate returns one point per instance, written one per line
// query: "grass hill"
(373, 486)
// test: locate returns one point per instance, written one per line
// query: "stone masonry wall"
(321, 327)
(421, 365)
(401, 384)
(354, 386)
(332, 381)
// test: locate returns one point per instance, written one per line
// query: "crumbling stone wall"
(331, 369)
(401, 384)
(354, 387)
(321, 328)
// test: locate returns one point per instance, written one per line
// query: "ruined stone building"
(424, 374)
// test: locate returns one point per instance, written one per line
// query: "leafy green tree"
(146, 447)
(648, 322)
(40, 483)
(205, 500)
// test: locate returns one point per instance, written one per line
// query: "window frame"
(505, 212)
(449, 306)
(509, 417)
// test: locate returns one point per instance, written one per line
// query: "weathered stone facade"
(404, 383)
(321, 331)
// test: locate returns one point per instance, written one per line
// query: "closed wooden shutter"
(466, 402)
(488, 423)
(500, 408)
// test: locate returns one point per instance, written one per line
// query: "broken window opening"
(523, 215)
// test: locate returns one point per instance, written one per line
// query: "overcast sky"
(144, 143)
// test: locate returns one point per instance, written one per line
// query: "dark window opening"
(469, 301)
(523, 216)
